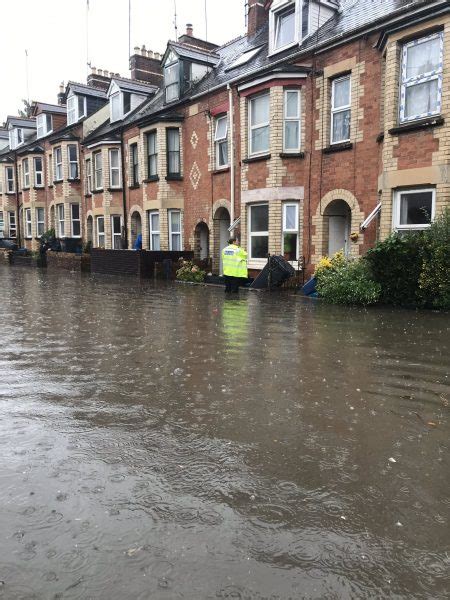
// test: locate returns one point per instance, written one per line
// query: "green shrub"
(347, 282)
(191, 273)
(396, 264)
(434, 280)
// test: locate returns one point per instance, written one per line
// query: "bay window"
(101, 232)
(175, 241)
(114, 168)
(340, 109)
(116, 232)
(72, 153)
(173, 153)
(28, 229)
(75, 220)
(60, 212)
(152, 155)
(290, 231)
(98, 171)
(40, 221)
(155, 234)
(58, 164)
(414, 209)
(38, 172)
(221, 141)
(421, 78)
(26, 173)
(259, 120)
(259, 231)
(292, 122)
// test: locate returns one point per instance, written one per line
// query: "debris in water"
(392, 460)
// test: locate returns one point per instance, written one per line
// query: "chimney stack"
(61, 93)
(257, 15)
(189, 30)
(145, 65)
(99, 78)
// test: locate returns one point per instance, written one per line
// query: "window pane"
(176, 243)
(221, 129)
(291, 135)
(76, 228)
(285, 28)
(259, 218)
(260, 246)
(173, 140)
(292, 105)
(171, 74)
(341, 126)
(223, 154)
(156, 246)
(116, 225)
(290, 246)
(290, 213)
(152, 166)
(154, 221)
(72, 153)
(416, 209)
(175, 219)
(260, 139)
(260, 110)
(174, 162)
(75, 211)
(115, 107)
(341, 92)
(114, 154)
(423, 58)
(151, 141)
(80, 106)
(101, 225)
(421, 98)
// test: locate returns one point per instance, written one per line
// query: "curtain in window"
(423, 58)
(421, 98)
(173, 146)
(291, 217)
(341, 91)
(291, 135)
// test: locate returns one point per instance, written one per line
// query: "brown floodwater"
(160, 441)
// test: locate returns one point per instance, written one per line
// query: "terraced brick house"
(322, 129)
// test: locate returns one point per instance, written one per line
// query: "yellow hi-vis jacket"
(234, 260)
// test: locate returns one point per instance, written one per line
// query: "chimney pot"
(61, 87)
(189, 30)
(136, 49)
(156, 55)
(93, 70)
(99, 72)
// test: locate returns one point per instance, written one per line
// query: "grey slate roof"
(4, 134)
(139, 87)
(21, 122)
(85, 90)
(195, 54)
(51, 108)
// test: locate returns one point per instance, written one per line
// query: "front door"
(339, 233)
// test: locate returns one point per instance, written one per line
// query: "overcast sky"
(54, 34)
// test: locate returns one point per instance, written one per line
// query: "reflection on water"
(164, 442)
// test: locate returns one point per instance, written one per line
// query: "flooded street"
(158, 441)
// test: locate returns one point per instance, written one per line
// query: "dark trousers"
(231, 284)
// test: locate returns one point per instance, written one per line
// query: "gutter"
(232, 165)
(16, 175)
(124, 194)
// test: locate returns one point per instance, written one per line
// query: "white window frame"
(175, 233)
(116, 98)
(2, 225)
(50, 169)
(12, 224)
(100, 234)
(252, 234)
(397, 205)
(114, 234)
(38, 173)
(252, 127)
(10, 181)
(422, 78)
(60, 213)
(42, 125)
(98, 185)
(88, 163)
(287, 230)
(26, 173)
(295, 119)
(71, 162)
(175, 64)
(73, 112)
(219, 141)
(28, 224)
(114, 169)
(134, 174)
(154, 232)
(72, 220)
(40, 223)
(344, 108)
(57, 153)
(280, 6)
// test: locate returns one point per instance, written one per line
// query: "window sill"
(253, 159)
(417, 125)
(38, 187)
(114, 189)
(10, 193)
(292, 155)
(26, 189)
(50, 187)
(135, 186)
(337, 148)
(88, 195)
(99, 191)
(174, 178)
(76, 180)
(222, 170)
(57, 181)
(151, 179)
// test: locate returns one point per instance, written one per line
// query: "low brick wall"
(18, 260)
(141, 263)
(69, 262)
(5, 255)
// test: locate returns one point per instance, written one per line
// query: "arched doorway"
(201, 249)
(136, 227)
(90, 231)
(339, 217)
(222, 223)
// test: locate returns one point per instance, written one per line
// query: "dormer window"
(44, 124)
(76, 108)
(120, 105)
(172, 78)
(15, 138)
(285, 24)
